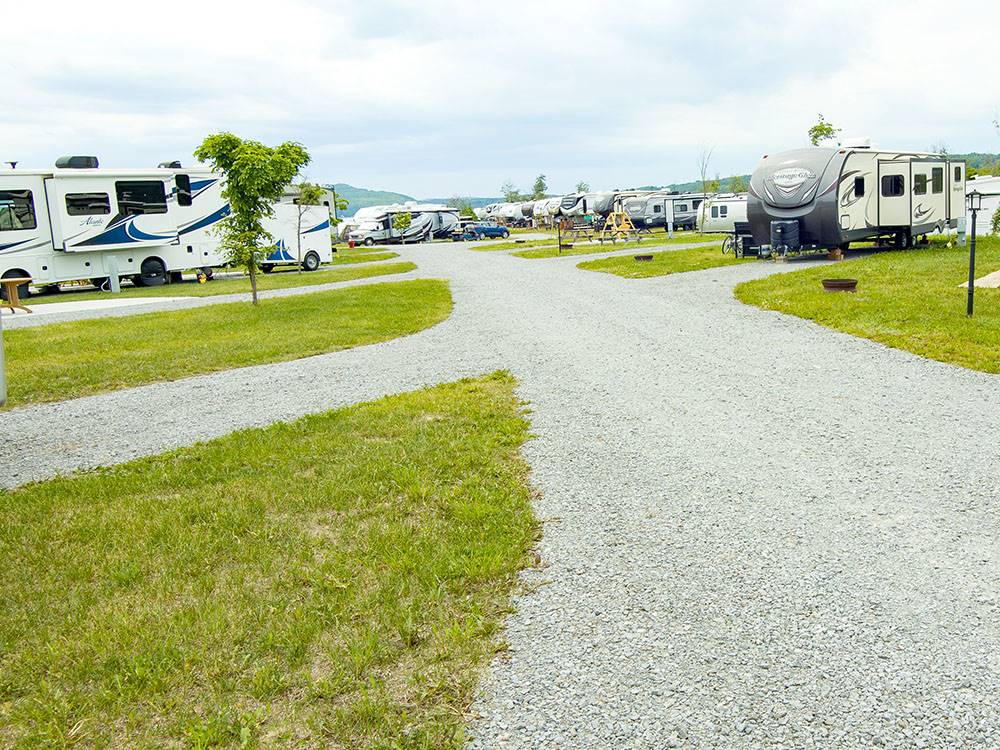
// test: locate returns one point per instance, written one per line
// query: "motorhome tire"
(267, 268)
(152, 272)
(311, 262)
(369, 241)
(22, 289)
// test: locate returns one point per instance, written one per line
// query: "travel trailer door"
(894, 209)
(929, 195)
(956, 193)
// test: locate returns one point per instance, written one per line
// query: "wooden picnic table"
(13, 300)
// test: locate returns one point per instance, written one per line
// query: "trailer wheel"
(22, 289)
(310, 262)
(369, 241)
(152, 272)
(267, 268)
(208, 271)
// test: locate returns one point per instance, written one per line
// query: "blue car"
(481, 230)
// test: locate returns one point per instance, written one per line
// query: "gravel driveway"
(758, 533)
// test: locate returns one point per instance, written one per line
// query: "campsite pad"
(52, 308)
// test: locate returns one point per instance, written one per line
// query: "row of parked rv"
(808, 198)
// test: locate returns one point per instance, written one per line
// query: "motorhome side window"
(656, 209)
(183, 184)
(893, 185)
(87, 204)
(17, 210)
(937, 180)
(141, 197)
(859, 187)
(920, 184)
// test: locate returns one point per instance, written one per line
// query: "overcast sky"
(436, 98)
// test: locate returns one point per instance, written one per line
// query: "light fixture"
(974, 201)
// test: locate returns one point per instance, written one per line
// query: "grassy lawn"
(339, 582)
(346, 255)
(906, 299)
(65, 360)
(648, 242)
(664, 263)
(279, 279)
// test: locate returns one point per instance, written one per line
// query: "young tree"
(715, 186)
(737, 184)
(704, 159)
(308, 195)
(822, 131)
(509, 192)
(255, 178)
(539, 188)
(995, 222)
(401, 222)
(464, 206)
(582, 187)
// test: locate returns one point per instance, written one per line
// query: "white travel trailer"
(721, 212)
(829, 197)
(81, 222)
(989, 188)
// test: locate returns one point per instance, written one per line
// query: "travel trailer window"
(87, 204)
(657, 209)
(715, 212)
(141, 197)
(695, 204)
(958, 174)
(920, 184)
(937, 180)
(183, 184)
(893, 185)
(682, 207)
(859, 187)
(17, 210)
(723, 211)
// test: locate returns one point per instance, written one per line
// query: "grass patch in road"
(283, 279)
(908, 299)
(664, 263)
(339, 581)
(649, 242)
(347, 256)
(486, 246)
(66, 360)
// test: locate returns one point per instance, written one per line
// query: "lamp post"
(974, 202)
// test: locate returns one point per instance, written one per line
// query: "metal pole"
(559, 234)
(3, 368)
(972, 265)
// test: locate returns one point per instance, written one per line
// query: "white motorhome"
(82, 222)
(721, 212)
(824, 198)
(427, 222)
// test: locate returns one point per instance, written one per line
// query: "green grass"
(279, 279)
(664, 263)
(648, 242)
(908, 300)
(487, 246)
(346, 255)
(65, 360)
(339, 582)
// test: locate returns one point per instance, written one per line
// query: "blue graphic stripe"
(123, 234)
(319, 227)
(207, 220)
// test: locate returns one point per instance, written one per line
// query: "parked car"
(480, 230)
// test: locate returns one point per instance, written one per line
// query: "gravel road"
(758, 533)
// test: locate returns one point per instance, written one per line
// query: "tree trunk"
(298, 239)
(253, 283)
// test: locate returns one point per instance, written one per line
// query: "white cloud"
(433, 98)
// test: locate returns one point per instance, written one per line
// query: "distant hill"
(474, 201)
(362, 197)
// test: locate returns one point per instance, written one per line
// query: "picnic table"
(13, 300)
